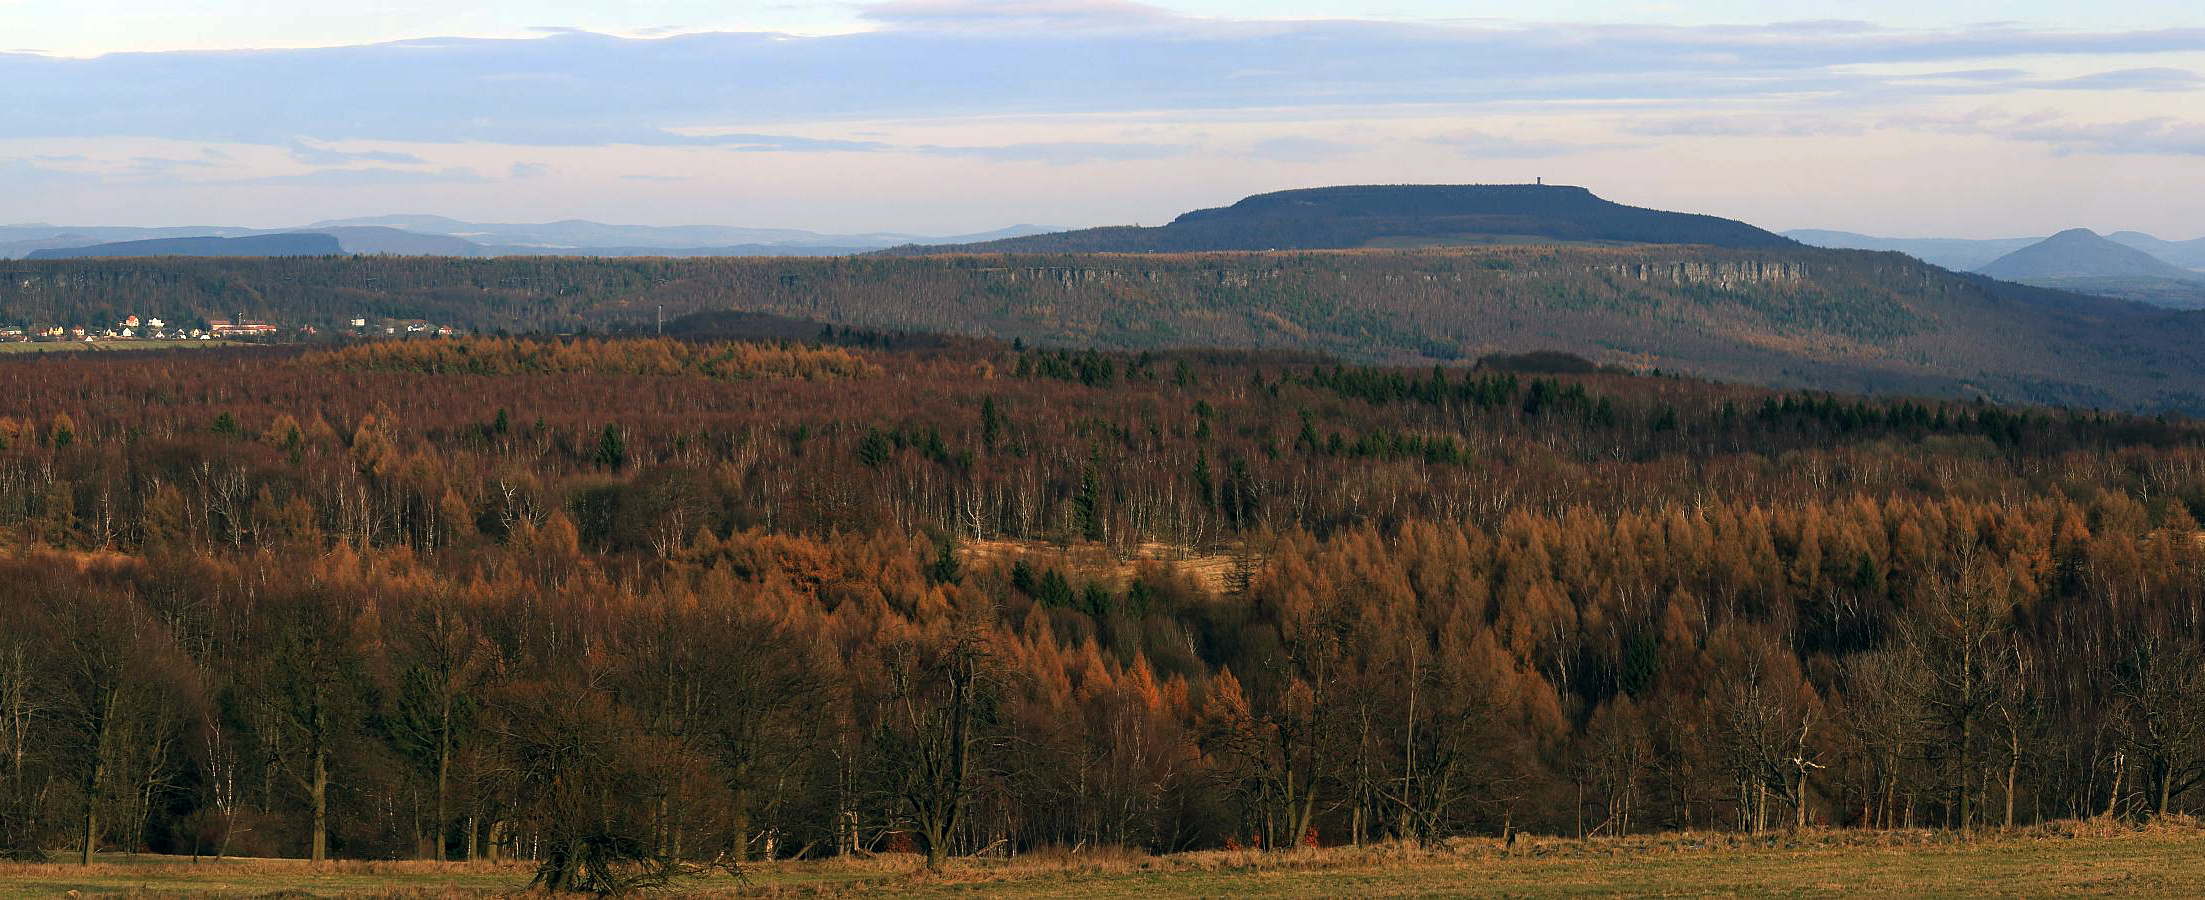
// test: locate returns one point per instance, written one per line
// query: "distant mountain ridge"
(422, 235)
(2188, 254)
(1410, 215)
(1957, 254)
(288, 244)
(2128, 265)
(1971, 254)
(2082, 253)
(2081, 260)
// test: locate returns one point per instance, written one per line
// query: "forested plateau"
(1783, 317)
(620, 606)
(1395, 215)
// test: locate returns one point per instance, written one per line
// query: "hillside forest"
(1788, 317)
(623, 605)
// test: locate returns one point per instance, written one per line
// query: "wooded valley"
(617, 605)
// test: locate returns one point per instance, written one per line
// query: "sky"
(1961, 118)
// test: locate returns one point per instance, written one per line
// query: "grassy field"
(2056, 860)
(102, 346)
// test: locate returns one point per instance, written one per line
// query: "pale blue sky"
(87, 27)
(1909, 118)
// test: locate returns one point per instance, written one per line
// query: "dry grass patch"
(2069, 858)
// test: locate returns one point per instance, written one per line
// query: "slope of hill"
(20, 241)
(1957, 254)
(371, 239)
(2082, 261)
(1793, 317)
(20, 249)
(111, 233)
(287, 244)
(1395, 216)
(2188, 254)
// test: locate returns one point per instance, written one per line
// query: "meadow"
(7, 347)
(2056, 859)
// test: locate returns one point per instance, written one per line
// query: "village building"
(241, 327)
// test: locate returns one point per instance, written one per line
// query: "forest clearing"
(2070, 858)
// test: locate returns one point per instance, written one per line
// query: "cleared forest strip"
(1213, 571)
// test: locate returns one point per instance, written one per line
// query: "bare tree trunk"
(319, 794)
(96, 777)
(91, 817)
(1801, 794)
(2013, 768)
(2166, 788)
(443, 772)
(1967, 796)
(2113, 800)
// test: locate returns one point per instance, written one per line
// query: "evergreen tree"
(946, 569)
(991, 423)
(612, 449)
(875, 449)
(1087, 506)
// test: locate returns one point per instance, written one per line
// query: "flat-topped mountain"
(256, 245)
(1396, 216)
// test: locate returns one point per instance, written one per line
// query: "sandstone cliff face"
(1724, 274)
(1065, 275)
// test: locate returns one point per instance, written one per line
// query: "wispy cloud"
(952, 58)
(1061, 152)
(1742, 126)
(161, 166)
(29, 172)
(319, 155)
(1298, 149)
(758, 143)
(369, 177)
(1017, 15)
(2157, 135)
(2152, 79)
(937, 96)
(1482, 145)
